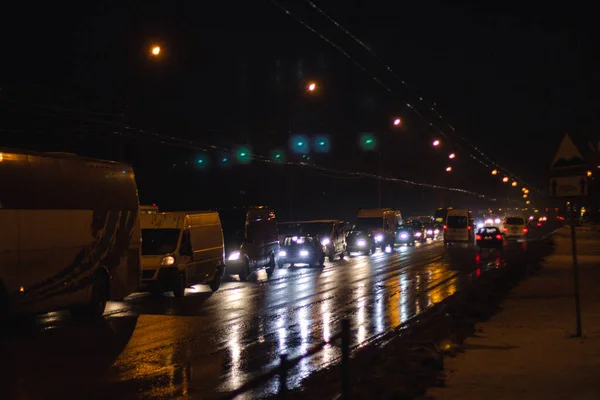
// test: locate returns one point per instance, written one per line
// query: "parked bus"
(70, 236)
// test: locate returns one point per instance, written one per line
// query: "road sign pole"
(576, 277)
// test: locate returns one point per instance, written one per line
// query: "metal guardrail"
(286, 364)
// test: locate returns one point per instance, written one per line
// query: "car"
(301, 250)
(430, 231)
(515, 228)
(360, 241)
(405, 235)
(251, 240)
(180, 250)
(418, 229)
(459, 227)
(489, 237)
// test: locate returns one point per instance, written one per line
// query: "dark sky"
(511, 79)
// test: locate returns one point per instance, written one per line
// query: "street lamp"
(448, 169)
(397, 122)
(451, 156)
(514, 183)
(312, 86)
(505, 179)
(495, 172)
(155, 50)
(436, 143)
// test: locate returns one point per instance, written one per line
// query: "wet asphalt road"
(206, 344)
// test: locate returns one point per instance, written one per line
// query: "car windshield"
(317, 228)
(457, 222)
(159, 241)
(295, 241)
(515, 221)
(369, 223)
(234, 225)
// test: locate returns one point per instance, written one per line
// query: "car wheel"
(244, 272)
(179, 285)
(271, 266)
(321, 261)
(98, 299)
(216, 282)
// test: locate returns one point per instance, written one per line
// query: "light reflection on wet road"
(206, 344)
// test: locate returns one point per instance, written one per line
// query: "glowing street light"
(527, 202)
(514, 183)
(397, 122)
(524, 189)
(524, 196)
(155, 51)
(448, 169)
(451, 156)
(589, 173)
(505, 179)
(436, 143)
(495, 172)
(312, 86)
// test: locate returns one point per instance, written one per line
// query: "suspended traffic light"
(299, 144)
(202, 160)
(321, 144)
(243, 155)
(277, 156)
(367, 141)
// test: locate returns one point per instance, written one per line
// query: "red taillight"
(525, 230)
(505, 230)
(499, 236)
(445, 227)
(539, 224)
(478, 237)
(470, 227)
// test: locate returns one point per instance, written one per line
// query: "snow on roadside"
(525, 351)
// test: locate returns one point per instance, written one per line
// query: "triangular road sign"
(567, 156)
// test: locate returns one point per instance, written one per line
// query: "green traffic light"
(368, 141)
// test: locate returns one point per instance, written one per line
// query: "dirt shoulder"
(527, 351)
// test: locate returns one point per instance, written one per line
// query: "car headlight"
(403, 236)
(436, 231)
(379, 238)
(304, 253)
(234, 256)
(361, 243)
(480, 225)
(497, 221)
(430, 232)
(325, 241)
(418, 234)
(282, 253)
(167, 260)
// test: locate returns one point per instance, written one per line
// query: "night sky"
(510, 79)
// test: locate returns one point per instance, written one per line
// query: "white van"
(181, 249)
(515, 227)
(458, 227)
(69, 233)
